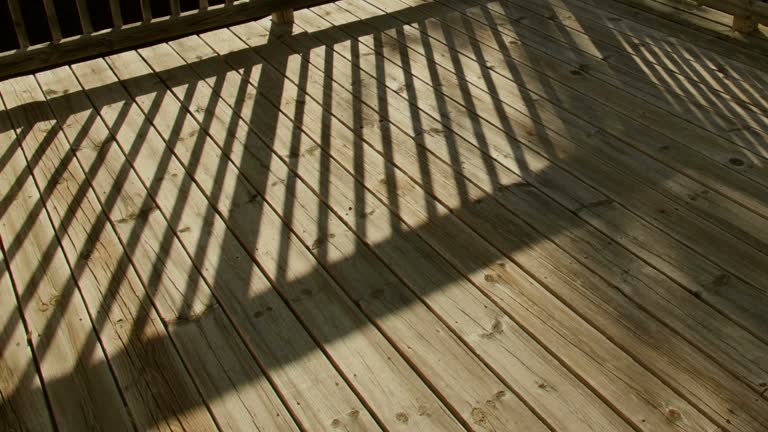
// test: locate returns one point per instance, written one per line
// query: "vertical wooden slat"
(18, 23)
(85, 16)
(203, 5)
(53, 20)
(117, 15)
(175, 8)
(146, 11)
(229, 2)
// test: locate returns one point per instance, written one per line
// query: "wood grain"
(22, 398)
(52, 303)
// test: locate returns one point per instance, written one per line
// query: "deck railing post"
(18, 24)
(284, 16)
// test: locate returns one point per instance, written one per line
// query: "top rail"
(121, 36)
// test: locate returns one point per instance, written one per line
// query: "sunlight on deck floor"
(400, 214)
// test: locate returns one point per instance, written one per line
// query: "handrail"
(747, 14)
(121, 36)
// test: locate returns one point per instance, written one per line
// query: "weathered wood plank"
(347, 259)
(375, 176)
(477, 103)
(672, 46)
(82, 397)
(22, 398)
(742, 307)
(702, 316)
(696, 45)
(703, 20)
(238, 394)
(418, 66)
(625, 118)
(400, 386)
(307, 381)
(713, 99)
(429, 277)
(425, 97)
(586, 138)
(159, 392)
(737, 110)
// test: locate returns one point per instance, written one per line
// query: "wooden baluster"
(229, 2)
(175, 8)
(85, 16)
(53, 20)
(18, 24)
(117, 15)
(203, 5)
(284, 16)
(146, 11)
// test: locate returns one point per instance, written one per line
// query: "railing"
(747, 14)
(92, 43)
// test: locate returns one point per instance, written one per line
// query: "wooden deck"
(510, 215)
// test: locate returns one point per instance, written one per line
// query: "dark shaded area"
(8, 38)
(34, 15)
(434, 242)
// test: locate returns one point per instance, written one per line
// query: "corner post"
(284, 16)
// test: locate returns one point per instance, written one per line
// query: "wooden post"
(117, 15)
(18, 24)
(175, 8)
(85, 16)
(284, 16)
(53, 20)
(146, 11)
(744, 24)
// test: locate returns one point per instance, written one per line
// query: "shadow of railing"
(241, 210)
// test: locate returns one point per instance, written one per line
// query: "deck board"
(22, 396)
(109, 284)
(314, 389)
(548, 139)
(396, 214)
(78, 379)
(375, 224)
(309, 292)
(439, 189)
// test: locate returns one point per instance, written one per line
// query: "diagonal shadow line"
(493, 29)
(702, 105)
(705, 104)
(28, 376)
(438, 222)
(653, 92)
(382, 108)
(124, 261)
(10, 192)
(325, 138)
(738, 178)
